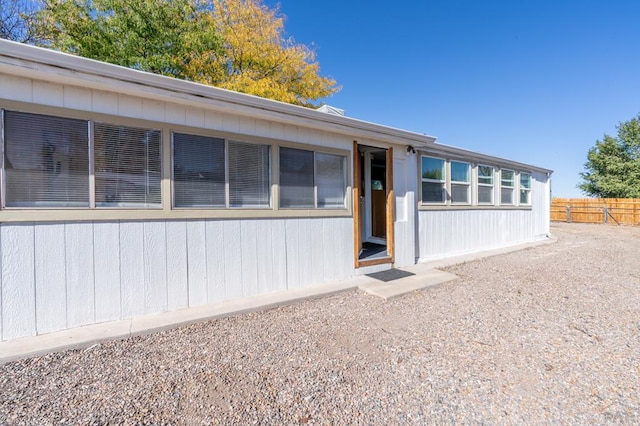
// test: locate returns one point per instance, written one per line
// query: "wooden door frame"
(357, 213)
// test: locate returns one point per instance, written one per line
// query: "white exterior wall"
(62, 275)
(445, 233)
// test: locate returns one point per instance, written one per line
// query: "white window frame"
(512, 187)
(524, 189)
(460, 183)
(442, 181)
(491, 185)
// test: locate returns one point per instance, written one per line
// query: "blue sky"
(533, 81)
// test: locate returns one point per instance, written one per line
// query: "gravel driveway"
(544, 335)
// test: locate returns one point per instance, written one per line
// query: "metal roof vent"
(331, 110)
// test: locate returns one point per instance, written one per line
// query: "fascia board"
(49, 65)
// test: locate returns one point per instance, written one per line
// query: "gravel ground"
(544, 335)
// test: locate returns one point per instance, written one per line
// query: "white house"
(125, 193)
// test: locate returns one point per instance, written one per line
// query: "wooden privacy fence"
(616, 211)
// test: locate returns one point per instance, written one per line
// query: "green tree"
(612, 169)
(233, 44)
(15, 19)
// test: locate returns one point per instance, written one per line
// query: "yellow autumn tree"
(257, 58)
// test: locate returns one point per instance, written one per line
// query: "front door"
(373, 206)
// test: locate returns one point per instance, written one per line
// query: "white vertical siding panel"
(292, 253)
(132, 268)
(129, 106)
(279, 250)
(48, 93)
(305, 250)
(232, 259)
(230, 123)
(80, 283)
(104, 102)
(329, 259)
(197, 262)
(16, 88)
(177, 269)
(155, 267)
(277, 131)
(263, 128)
(346, 253)
(290, 132)
(249, 261)
(77, 98)
(106, 243)
(18, 281)
(175, 114)
(215, 260)
(153, 110)
(50, 278)
(317, 252)
(213, 120)
(265, 256)
(247, 126)
(194, 117)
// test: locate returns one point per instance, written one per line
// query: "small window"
(127, 166)
(525, 189)
(312, 179)
(249, 175)
(433, 180)
(507, 185)
(460, 182)
(46, 161)
(198, 171)
(485, 185)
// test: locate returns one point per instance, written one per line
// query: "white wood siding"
(62, 275)
(446, 233)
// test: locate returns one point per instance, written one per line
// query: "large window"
(433, 180)
(311, 179)
(460, 182)
(485, 184)
(525, 189)
(46, 161)
(127, 166)
(202, 167)
(507, 186)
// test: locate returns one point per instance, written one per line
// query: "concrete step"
(423, 278)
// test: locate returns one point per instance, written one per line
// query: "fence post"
(568, 214)
(606, 214)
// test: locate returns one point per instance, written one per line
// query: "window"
(127, 166)
(198, 171)
(485, 185)
(311, 179)
(507, 184)
(525, 189)
(433, 180)
(460, 182)
(46, 161)
(249, 175)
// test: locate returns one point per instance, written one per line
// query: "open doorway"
(374, 212)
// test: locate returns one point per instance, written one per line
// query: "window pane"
(331, 180)
(198, 171)
(525, 197)
(296, 178)
(46, 161)
(249, 179)
(525, 180)
(506, 196)
(507, 178)
(485, 175)
(432, 168)
(432, 192)
(460, 171)
(459, 193)
(485, 194)
(127, 166)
